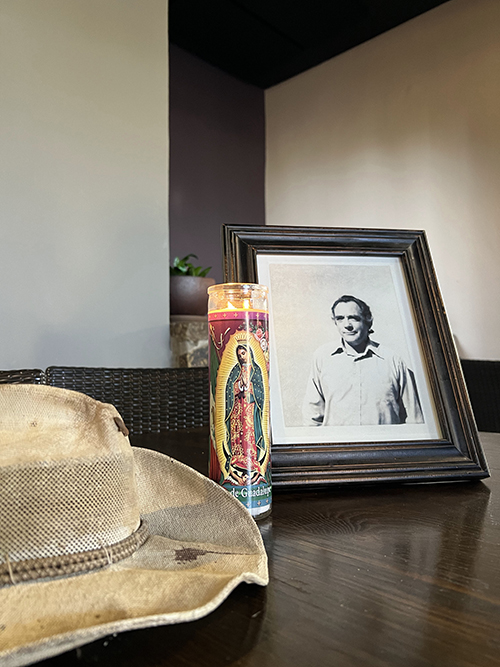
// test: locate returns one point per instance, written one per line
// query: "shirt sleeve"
(409, 397)
(313, 407)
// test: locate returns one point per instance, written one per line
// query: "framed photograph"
(366, 384)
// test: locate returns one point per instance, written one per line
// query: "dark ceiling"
(264, 42)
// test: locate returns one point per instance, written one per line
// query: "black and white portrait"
(357, 380)
(346, 361)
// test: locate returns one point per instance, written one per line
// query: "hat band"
(15, 572)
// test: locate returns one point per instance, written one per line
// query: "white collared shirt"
(346, 388)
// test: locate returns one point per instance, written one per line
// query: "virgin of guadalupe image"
(244, 450)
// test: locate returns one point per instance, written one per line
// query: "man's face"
(352, 327)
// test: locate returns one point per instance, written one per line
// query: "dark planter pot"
(188, 295)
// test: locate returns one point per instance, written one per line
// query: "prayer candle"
(240, 447)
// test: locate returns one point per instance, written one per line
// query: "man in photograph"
(359, 382)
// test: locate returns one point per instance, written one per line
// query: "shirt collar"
(372, 348)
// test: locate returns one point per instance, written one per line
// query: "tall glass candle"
(240, 446)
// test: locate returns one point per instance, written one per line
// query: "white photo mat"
(302, 290)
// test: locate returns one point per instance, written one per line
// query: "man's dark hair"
(366, 313)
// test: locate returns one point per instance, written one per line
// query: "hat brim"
(202, 544)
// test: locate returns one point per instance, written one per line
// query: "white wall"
(404, 132)
(83, 183)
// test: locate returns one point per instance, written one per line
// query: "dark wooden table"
(373, 576)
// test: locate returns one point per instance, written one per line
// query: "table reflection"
(385, 572)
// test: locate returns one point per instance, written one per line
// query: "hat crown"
(67, 482)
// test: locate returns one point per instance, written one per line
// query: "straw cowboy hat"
(97, 537)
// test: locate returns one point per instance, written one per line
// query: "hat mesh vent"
(63, 507)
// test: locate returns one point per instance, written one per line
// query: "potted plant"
(188, 287)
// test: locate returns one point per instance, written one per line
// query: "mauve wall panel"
(217, 157)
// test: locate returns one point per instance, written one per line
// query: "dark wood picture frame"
(457, 455)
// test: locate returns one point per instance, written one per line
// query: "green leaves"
(181, 267)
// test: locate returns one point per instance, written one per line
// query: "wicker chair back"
(150, 400)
